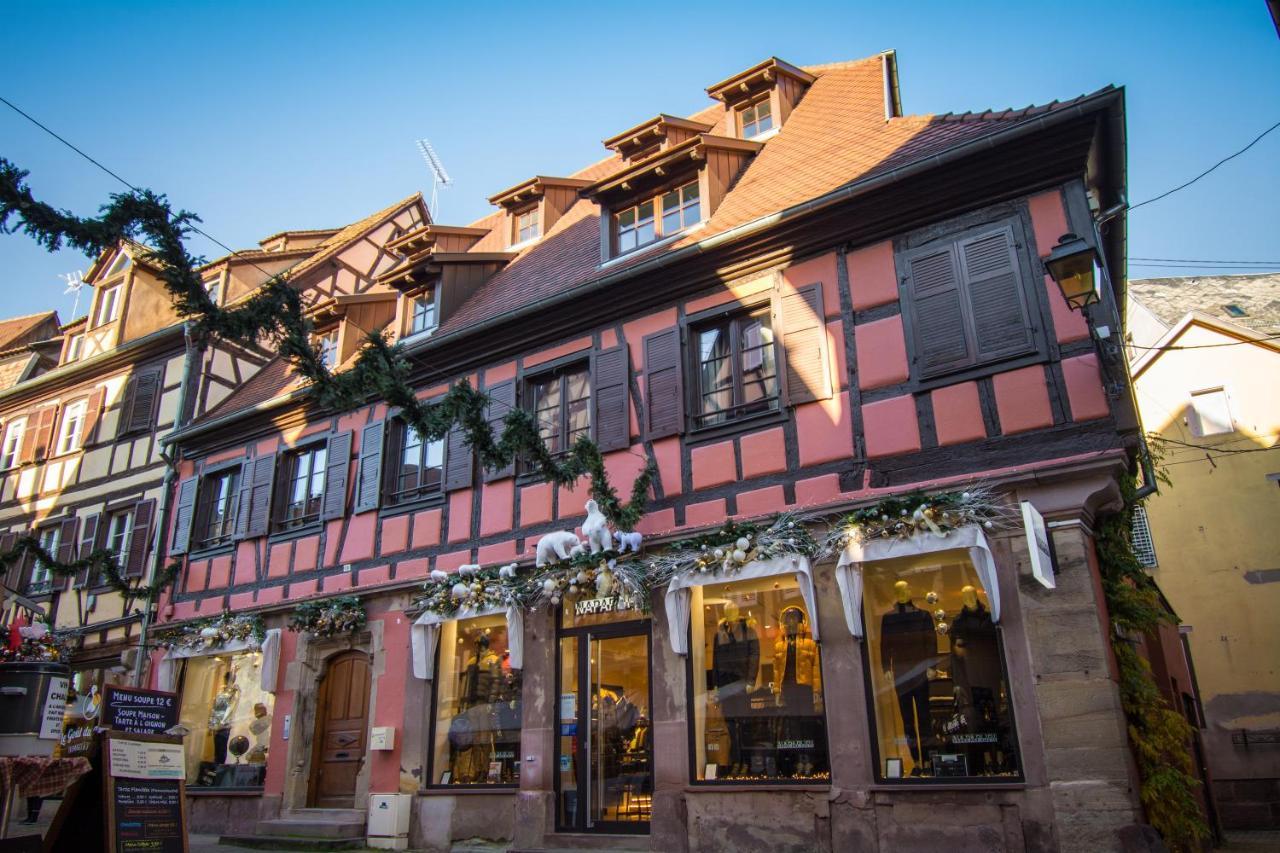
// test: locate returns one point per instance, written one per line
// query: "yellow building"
(1205, 358)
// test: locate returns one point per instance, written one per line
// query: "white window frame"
(122, 535)
(1199, 420)
(40, 573)
(430, 296)
(1140, 539)
(108, 302)
(213, 287)
(71, 430)
(327, 347)
(75, 347)
(12, 447)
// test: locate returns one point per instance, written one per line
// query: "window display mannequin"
(975, 661)
(735, 662)
(908, 648)
(221, 715)
(481, 677)
(797, 685)
(471, 732)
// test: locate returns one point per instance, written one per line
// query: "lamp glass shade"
(1071, 263)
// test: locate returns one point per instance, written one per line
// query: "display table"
(35, 776)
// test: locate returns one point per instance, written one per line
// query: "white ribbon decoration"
(677, 597)
(855, 554)
(424, 636)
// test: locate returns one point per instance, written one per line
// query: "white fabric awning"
(855, 554)
(166, 673)
(677, 597)
(424, 635)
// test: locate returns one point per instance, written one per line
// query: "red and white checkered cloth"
(39, 777)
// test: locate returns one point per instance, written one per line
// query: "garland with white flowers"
(470, 588)
(212, 632)
(329, 618)
(916, 513)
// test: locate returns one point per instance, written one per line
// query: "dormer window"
(526, 225)
(755, 119)
(327, 346)
(75, 347)
(121, 264)
(213, 287)
(639, 226)
(108, 305)
(636, 227)
(423, 318)
(681, 209)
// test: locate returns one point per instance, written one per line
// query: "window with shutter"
(459, 461)
(88, 544)
(92, 413)
(967, 302)
(562, 405)
(183, 516)
(304, 472)
(610, 412)
(502, 399)
(415, 467)
(220, 500)
(663, 386)
(66, 549)
(735, 367)
(335, 476)
(39, 434)
(140, 398)
(804, 339)
(369, 487)
(135, 555)
(261, 477)
(7, 541)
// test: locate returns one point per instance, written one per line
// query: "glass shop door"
(605, 741)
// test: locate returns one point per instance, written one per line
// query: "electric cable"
(1230, 157)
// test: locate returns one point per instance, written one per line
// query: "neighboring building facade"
(1204, 358)
(796, 299)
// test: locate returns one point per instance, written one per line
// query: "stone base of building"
(1248, 803)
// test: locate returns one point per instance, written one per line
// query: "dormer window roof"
(667, 165)
(657, 134)
(429, 239)
(532, 207)
(761, 98)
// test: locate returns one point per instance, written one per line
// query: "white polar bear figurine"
(596, 529)
(576, 550)
(555, 546)
(630, 540)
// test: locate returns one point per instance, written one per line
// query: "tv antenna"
(75, 283)
(439, 177)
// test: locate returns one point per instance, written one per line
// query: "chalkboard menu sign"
(144, 792)
(143, 712)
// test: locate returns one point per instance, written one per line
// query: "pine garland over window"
(273, 315)
(101, 566)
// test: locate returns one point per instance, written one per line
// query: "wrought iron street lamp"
(1072, 264)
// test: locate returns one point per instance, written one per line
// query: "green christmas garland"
(101, 564)
(329, 617)
(212, 631)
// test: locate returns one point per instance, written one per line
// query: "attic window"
(121, 264)
(526, 225)
(327, 344)
(108, 306)
(756, 119)
(1235, 310)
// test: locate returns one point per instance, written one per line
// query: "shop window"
(561, 406)
(216, 508)
(939, 693)
(72, 429)
(12, 443)
(756, 673)
(736, 372)
(756, 118)
(228, 716)
(418, 465)
(476, 725)
(303, 494)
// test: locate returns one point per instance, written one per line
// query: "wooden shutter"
(502, 398)
(610, 414)
(66, 549)
(135, 564)
(260, 474)
(7, 541)
(183, 515)
(937, 304)
(88, 544)
(458, 460)
(806, 370)
(337, 460)
(141, 394)
(997, 298)
(663, 384)
(39, 433)
(92, 412)
(369, 489)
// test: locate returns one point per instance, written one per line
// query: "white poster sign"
(55, 706)
(1038, 545)
(135, 759)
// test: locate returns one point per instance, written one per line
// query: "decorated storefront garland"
(36, 642)
(905, 516)
(329, 617)
(726, 550)
(470, 588)
(213, 632)
(600, 575)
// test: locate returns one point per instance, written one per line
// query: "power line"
(1215, 449)
(1168, 193)
(1204, 346)
(1201, 261)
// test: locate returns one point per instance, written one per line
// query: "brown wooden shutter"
(663, 384)
(66, 550)
(941, 340)
(261, 474)
(369, 488)
(11, 577)
(88, 544)
(806, 370)
(92, 412)
(39, 433)
(183, 514)
(458, 461)
(337, 461)
(144, 513)
(141, 395)
(502, 399)
(610, 414)
(997, 298)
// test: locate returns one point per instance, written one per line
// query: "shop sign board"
(1038, 544)
(144, 793)
(138, 711)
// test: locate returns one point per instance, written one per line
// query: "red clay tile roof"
(16, 331)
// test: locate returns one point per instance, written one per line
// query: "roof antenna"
(439, 177)
(75, 282)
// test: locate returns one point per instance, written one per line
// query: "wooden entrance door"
(342, 722)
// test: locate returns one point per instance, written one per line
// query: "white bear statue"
(596, 529)
(555, 546)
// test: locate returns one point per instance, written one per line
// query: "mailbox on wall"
(382, 738)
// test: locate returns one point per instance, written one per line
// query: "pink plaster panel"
(395, 534)
(637, 329)
(384, 774)
(220, 572)
(957, 414)
(891, 426)
(623, 468)
(1084, 388)
(246, 567)
(215, 458)
(764, 501)
(705, 513)
(426, 528)
(872, 278)
(535, 504)
(342, 580)
(763, 453)
(564, 349)
(497, 506)
(450, 562)
(500, 373)
(823, 430)
(1068, 325)
(1022, 400)
(410, 569)
(460, 515)
(271, 594)
(713, 465)
(278, 559)
(608, 338)
(305, 552)
(571, 500)
(359, 542)
(267, 445)
(502, 552)
(196, 573)
(240, 601)
(666, 451)
(184, 610)
(333, 536)
(821, 269)
(375, 575)
(1048, 220)
(661, 521)
(817, 490)
(835, 355)
(882, 353)
(301, 589)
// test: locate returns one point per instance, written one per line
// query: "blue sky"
(267, 116)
